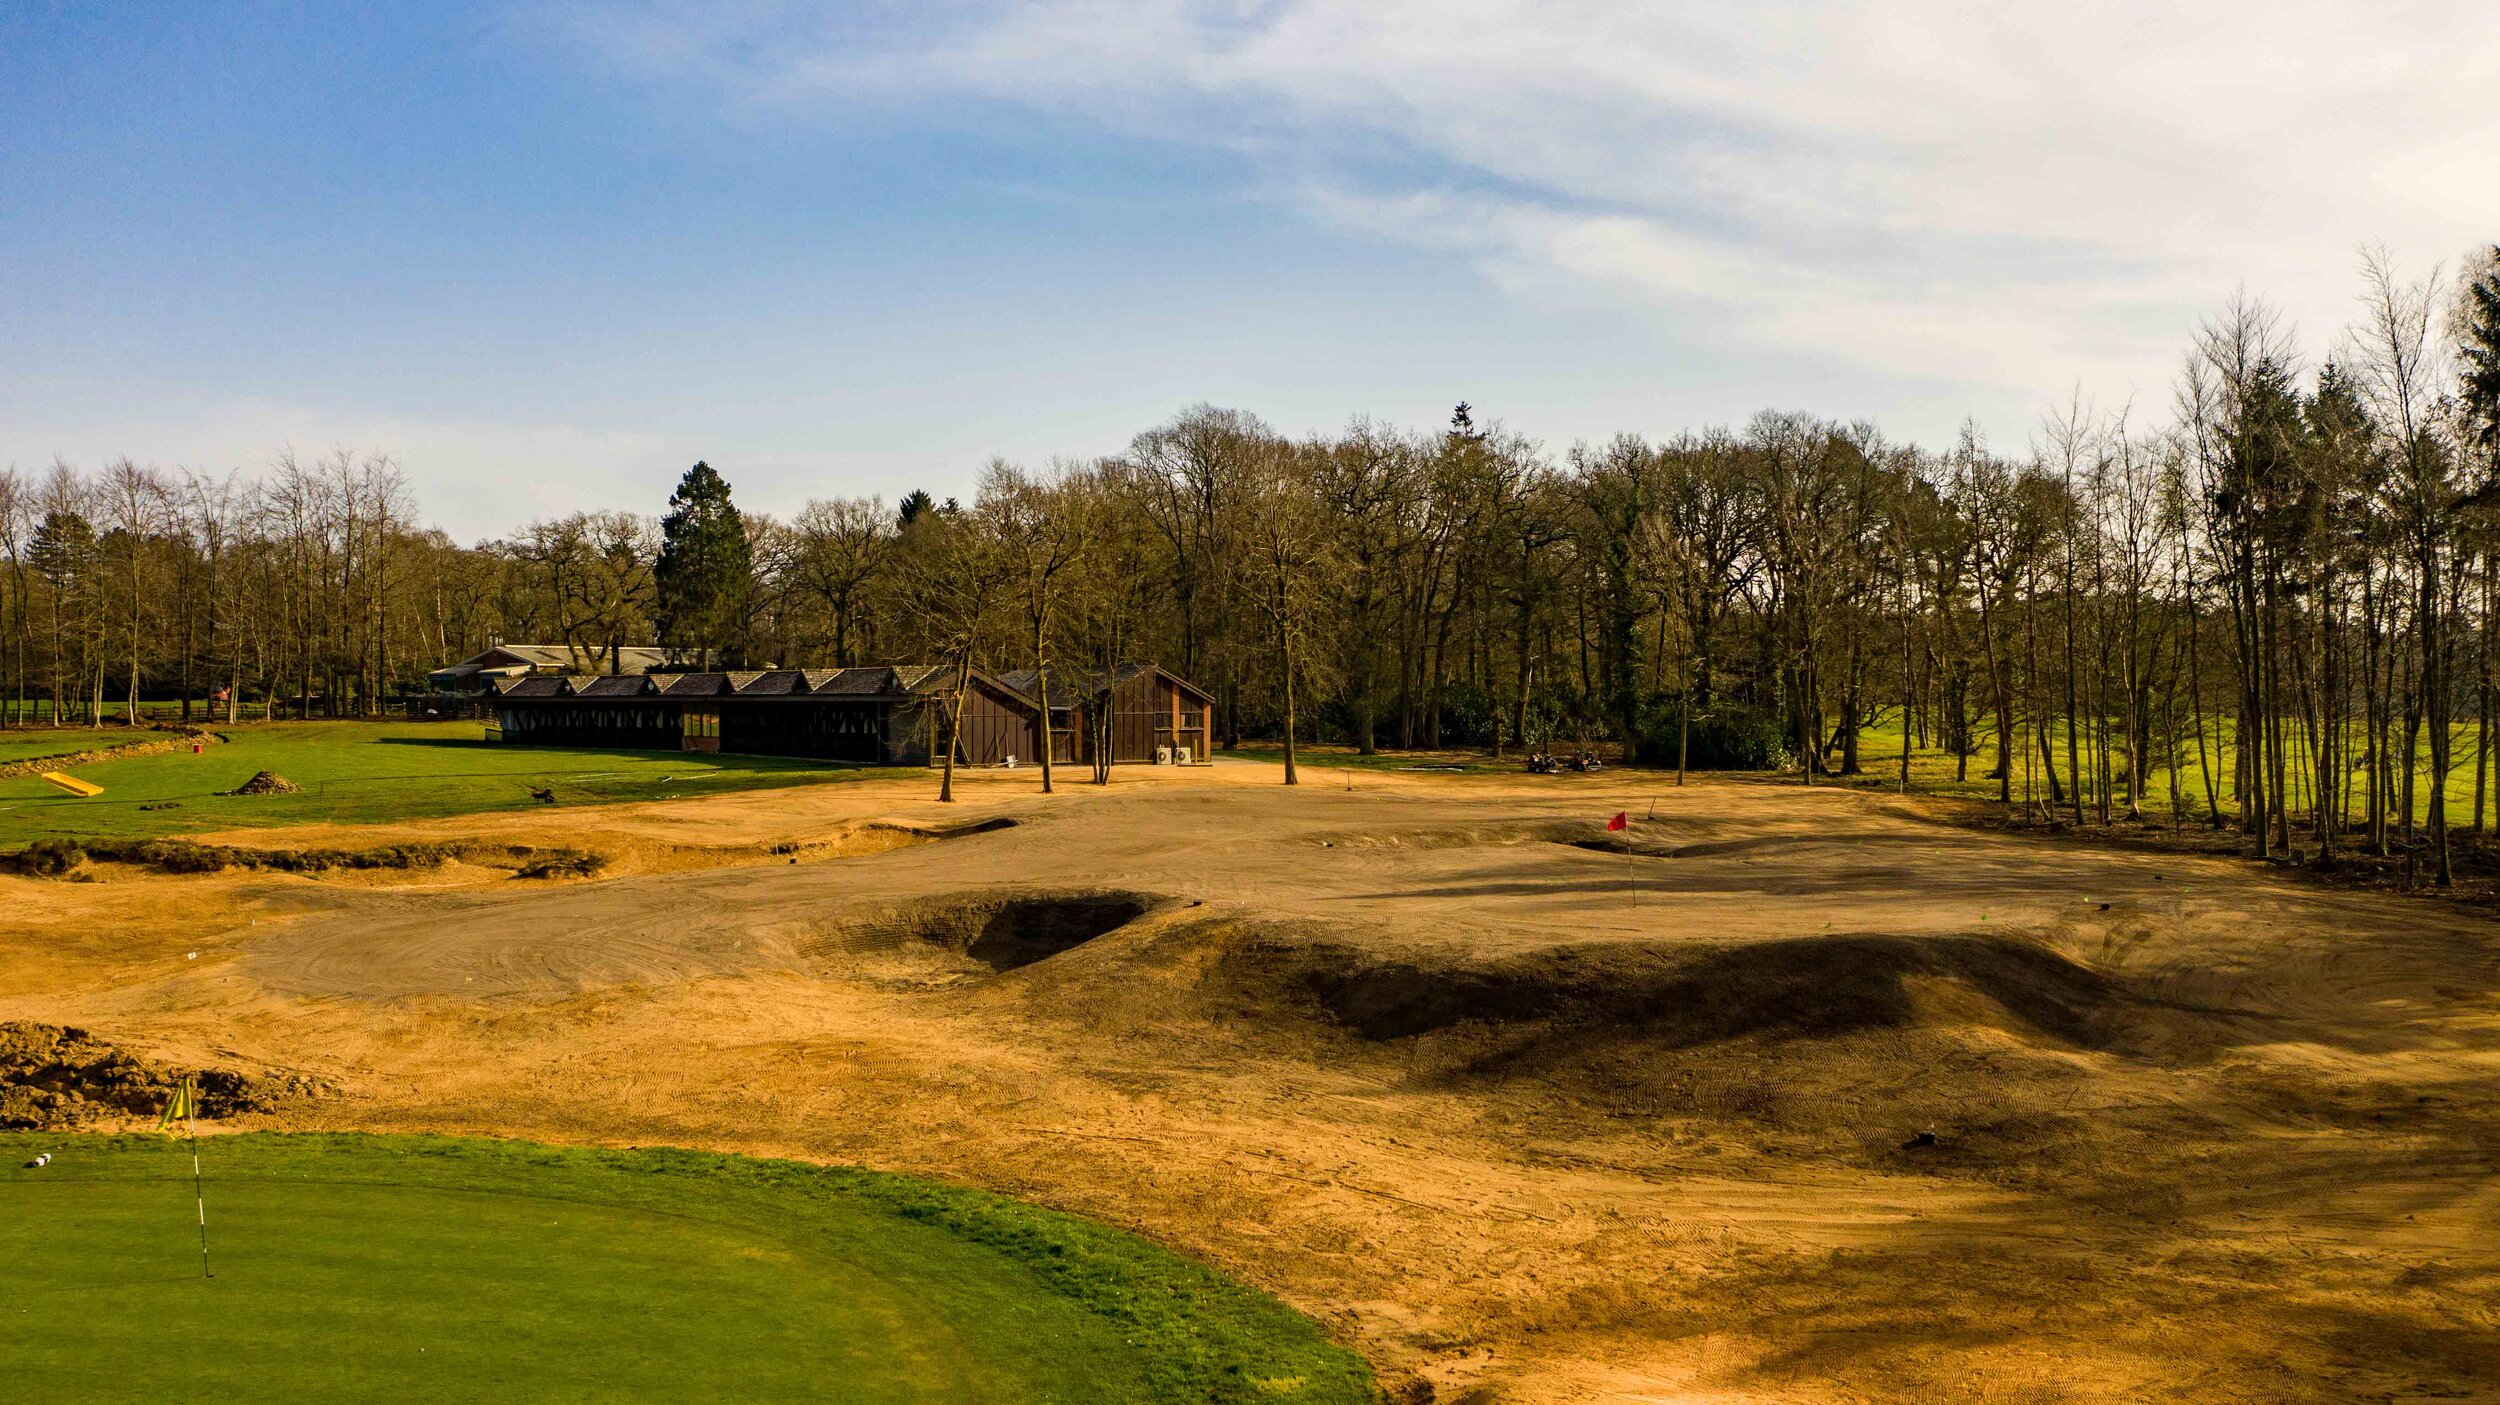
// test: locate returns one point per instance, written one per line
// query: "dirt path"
(1526, 1120)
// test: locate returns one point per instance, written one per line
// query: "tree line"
(2267, 603)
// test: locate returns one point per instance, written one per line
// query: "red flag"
(1617, 822)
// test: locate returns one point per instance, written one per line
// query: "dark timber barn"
(1152, 711)
(893, 716)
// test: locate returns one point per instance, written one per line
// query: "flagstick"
(199, 1197)
(1631, 875)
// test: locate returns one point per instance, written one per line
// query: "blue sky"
(549, 253)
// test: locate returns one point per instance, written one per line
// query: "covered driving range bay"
(373, 1267)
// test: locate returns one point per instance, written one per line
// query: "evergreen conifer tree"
(2479, 328)
(704, 571)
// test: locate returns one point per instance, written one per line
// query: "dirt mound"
(266, 783)
(1681, 996)
(1841, 1047)
(1007, 931)
(59, 1076)
(51, 858)
(567, 864)
(45, 858)
(1426, 838)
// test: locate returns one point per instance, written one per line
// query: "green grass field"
(428, 1268)
(1932, 771)
(38, 711)
(368, 772)
(28, 743)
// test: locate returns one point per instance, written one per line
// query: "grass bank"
(369, 772)
(365, 1267)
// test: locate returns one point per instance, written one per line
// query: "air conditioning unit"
(1163, 756)
(1180, 756)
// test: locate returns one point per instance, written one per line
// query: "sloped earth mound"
(52, 858)
(850, 841)
(266, 783)
(1003, 931)
(1644, 836)
(1952, 1054)
(56, 1077)
(1681, 996)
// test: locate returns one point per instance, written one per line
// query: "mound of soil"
(52, 858)
(58, 1076)
(561, 863)
(45, 858)
(266, 783)
(1843, 1047)
(1682, 996)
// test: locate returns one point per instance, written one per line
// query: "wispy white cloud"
(2013, 196)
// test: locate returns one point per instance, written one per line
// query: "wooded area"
(2270, 604)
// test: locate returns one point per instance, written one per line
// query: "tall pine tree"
(704, 572)
(2478, 326)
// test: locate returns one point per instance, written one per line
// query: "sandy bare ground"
(1524, 1120)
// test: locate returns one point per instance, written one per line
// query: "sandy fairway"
(1523, 1120)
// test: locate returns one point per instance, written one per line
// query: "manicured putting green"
(424, 1268)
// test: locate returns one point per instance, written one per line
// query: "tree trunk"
(954, 727)
(1041, 688)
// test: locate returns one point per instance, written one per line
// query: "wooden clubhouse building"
(877, 716)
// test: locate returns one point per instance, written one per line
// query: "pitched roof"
(696, 685)
(1067, 685)
(893, 683)
(1073, 683)
(563, 658)
(1128, 671)
(856, 683)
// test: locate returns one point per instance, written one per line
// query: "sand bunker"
(950, 939)
(1004, 933)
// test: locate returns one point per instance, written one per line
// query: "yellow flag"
(183, 1103)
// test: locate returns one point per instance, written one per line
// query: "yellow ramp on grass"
(73, 785)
